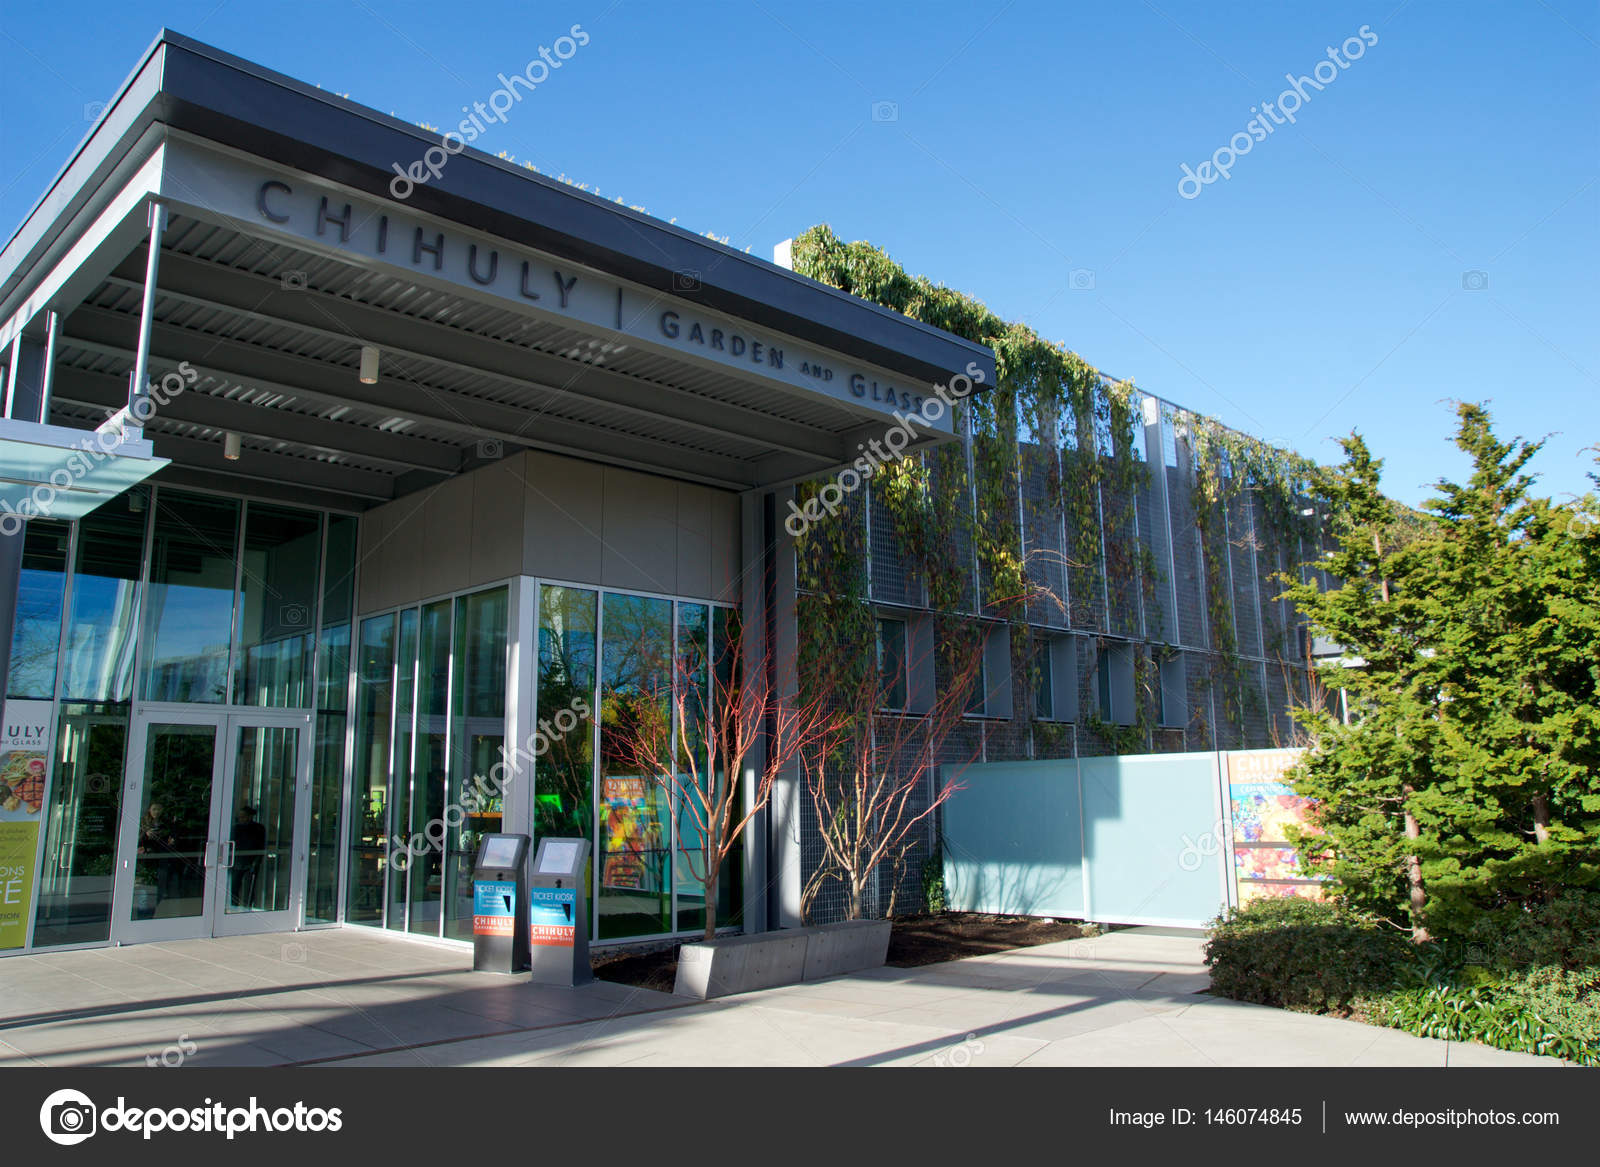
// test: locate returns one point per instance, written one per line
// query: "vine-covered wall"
(1136, 529)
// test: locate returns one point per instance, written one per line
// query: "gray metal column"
(25, 383)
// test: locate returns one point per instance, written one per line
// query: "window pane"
(1045, 707)
(327, 788)
(333, 668)
(189, 613)
(635, 896)
(277, 605)
(169, 871)
(428, 778)
(36, 635)
(105, 588)
(80, 842)
(370, 775)
(726, 646)
(697, 796)
(892, 662)
(563, 803)
(401, 774)
(478, 732)
(327, 763)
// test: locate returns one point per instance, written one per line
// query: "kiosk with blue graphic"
(557, 916)
(499, 905)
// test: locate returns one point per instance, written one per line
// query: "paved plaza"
(355, 997)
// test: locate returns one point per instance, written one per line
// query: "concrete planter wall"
(742, 964)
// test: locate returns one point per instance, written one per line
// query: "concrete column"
(772, 873)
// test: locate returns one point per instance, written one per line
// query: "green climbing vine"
(1049, 410)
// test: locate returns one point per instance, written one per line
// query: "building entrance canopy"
(502, 310)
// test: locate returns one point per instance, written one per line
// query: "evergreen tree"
(1469, 777)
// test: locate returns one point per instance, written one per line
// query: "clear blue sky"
(1322, 286)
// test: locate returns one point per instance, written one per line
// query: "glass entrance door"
(214, 828)
(261, 847)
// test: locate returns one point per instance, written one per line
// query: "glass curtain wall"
(429, 727)
(237, 604)
(96, 684)
(430, 717)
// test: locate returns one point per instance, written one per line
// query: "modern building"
(341, 465)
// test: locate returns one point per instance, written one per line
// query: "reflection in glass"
(635, 897)
(327, 763)
(261, 858)
(189, 615)
(708, 647)
(368, 807)
(478, 725)
(277, 606)
(428, 778)
(80, 841)
(98, 664)
(400, 828)
(36, 634)
(169, 876)
(563, 804)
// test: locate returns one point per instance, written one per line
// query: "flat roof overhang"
(512, 311)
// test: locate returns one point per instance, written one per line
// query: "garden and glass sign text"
(367, 229)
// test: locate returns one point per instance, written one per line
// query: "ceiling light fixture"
(231, 447)
(369, 364)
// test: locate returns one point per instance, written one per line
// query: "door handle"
(212, 855)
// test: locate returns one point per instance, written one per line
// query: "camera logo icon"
(1474, 281)
(685, 280)
(67, 1117)
(886, 111)
(1081, 279)
(292, 281)
(294, 615)
(491, 449)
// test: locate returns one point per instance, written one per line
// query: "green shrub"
(1525, 979)
(1302, 954)
(1540, 1011)
(1564, 933)
(933, 897)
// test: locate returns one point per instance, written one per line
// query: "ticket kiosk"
(500, 905)
(558, 923)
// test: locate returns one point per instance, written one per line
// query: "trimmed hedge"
(1299, 954)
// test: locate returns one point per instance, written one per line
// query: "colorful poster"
(551, 915)
(632, 835)
(24, 766)
(1263, 807)
(494, 908)
(17, 845)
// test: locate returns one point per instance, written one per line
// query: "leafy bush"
(1302, 954)
(1522, 978)
(933, 897)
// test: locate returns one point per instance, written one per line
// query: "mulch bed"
(656, 970)
(919, 940)
(914, 941)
